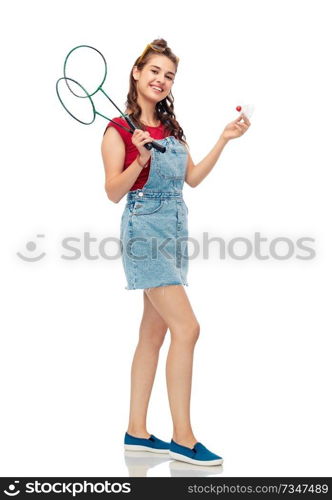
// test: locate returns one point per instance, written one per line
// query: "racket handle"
(155, 145)
(149, 145)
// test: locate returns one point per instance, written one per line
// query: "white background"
(262, 369)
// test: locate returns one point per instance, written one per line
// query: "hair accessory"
(156, 48)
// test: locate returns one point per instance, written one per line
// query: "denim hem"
(155, 286)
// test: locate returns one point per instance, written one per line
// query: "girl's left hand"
(235, 128)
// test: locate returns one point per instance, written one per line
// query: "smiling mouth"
(156, 89)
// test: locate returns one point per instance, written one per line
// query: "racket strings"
(85, 72)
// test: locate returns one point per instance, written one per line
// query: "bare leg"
(151, 336)
(174, 307)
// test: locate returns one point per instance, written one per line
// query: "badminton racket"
(84, 74)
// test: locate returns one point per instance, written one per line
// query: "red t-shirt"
(132, 151)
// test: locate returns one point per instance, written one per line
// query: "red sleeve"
(126, 136)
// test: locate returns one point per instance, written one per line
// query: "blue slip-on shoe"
(198, 455)
(145, 444)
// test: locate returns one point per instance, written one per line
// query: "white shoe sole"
(183, 458)
(138, 447)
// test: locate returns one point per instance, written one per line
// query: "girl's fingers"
(144, 141)
(140, 133)
(241, 128)
(142, 137)
(245, 119)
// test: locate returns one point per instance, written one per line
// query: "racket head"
(89, 112)
(77, 60)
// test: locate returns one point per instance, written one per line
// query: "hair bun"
(160, 42)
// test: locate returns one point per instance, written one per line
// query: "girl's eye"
(155, 71)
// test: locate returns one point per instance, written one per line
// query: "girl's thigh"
(173, 305)
(151, 317)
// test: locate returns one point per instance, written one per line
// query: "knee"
(152, 335)
(187, 333)
(195, 331)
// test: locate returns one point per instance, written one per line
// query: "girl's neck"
(148, 121)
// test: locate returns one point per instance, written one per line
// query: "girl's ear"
(136, 73)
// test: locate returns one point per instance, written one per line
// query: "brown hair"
(164, 110)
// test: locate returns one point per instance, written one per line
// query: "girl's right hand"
(139, 138)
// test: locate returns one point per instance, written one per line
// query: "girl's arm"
(118, 181)
(196, 173)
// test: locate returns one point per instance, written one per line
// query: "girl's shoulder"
(118, 123)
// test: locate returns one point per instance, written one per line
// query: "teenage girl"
(154, 233)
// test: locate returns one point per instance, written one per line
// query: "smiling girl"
(154, 236)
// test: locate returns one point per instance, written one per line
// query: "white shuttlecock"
(246, 109)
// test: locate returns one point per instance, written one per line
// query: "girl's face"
(155, 80)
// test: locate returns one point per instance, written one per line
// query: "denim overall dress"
(154, 223)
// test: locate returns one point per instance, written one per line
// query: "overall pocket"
(147, 207)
